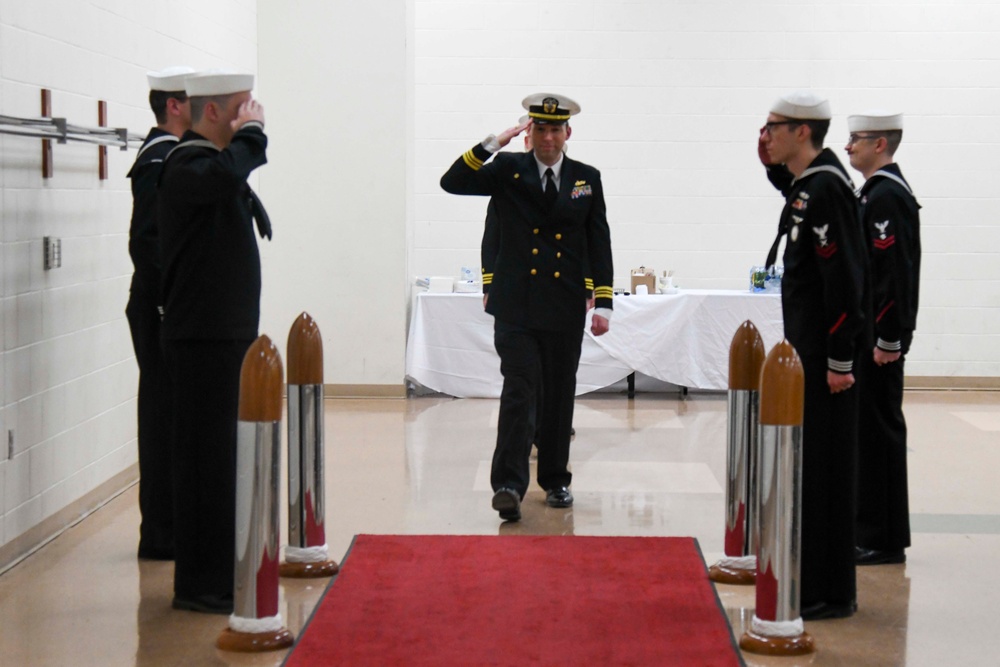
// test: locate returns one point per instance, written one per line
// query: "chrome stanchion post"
(256, 624)
(307, 554)
(746, 357)
(777, 627)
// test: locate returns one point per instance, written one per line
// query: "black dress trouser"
(883, 496)
(829, 487)
(156, 492)
(530, 360)
(206, 380)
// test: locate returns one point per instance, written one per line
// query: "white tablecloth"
(680, 338)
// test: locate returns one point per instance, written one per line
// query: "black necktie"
(772, 254)
(550, 187)
(260, 216)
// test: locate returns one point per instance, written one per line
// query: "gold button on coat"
(558, 237)
(534, 251)
(534, 271)
(557, 274)
(536, 230)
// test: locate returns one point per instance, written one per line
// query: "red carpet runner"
(518, 600)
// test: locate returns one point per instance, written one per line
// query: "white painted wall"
(69, 376)
(673, 94)
(334, 83)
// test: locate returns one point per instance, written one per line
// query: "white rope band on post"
(740, 563)
(307, 554)
(777, 628)
(255, 626)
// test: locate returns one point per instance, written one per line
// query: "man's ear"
(211, 111)
(569, 131)
(173, 106)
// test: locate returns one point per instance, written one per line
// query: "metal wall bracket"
(48, 128)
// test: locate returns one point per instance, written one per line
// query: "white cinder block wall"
(673, 94)
(69, 376)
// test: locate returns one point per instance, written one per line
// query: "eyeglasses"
(855, 138)
(770, 125)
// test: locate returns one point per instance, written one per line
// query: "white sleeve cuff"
(895, 346)
(840, 366)
(604, 312)
(491, 144)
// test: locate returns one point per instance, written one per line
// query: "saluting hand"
(504, 137)
(249, 111)
(765, 159)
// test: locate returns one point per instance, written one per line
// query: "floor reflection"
(652, 466)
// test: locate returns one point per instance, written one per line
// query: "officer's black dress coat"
(823, 293)
(211, 293)
(890, 215)
(156, 531)
(538, 297)
(490, 246)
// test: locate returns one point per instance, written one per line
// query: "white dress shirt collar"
(556, 170)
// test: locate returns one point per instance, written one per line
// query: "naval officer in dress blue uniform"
(554, 230)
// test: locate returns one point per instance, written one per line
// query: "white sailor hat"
(550, 108)
(802, 105)
(875, 120)
(218, 82)
(169, 79)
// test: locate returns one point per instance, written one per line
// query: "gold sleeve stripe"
(487, 278)
(603, 292)
(589, 283)
(475, 164)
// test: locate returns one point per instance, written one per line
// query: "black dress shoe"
(559, 497)
(507, 502)
(824, 610)
(210, 603)
(864, 556)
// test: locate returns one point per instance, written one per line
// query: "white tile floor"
(650, 466)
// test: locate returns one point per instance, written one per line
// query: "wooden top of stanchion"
(782, 387)
(746, 358)
(305, 352)
(261, 383)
